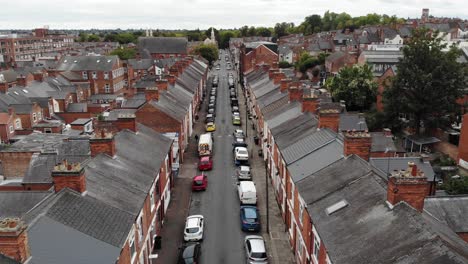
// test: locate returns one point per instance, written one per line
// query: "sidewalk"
(277, 240)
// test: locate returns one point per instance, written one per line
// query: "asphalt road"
(219, 204)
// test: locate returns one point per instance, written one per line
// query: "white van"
(247, 192)
(205, 144)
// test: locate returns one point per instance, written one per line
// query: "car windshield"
(242, 152)
(259, 255)
(188, 252)
(198, 182)
(250, 213)
(191, 230)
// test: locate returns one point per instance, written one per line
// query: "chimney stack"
(102, 142)
(69, 175)
(126, 121)
(295, 93)
(171, 79)
(329, 117)
(38, 76)
(14, 239)
(271, 73)
(277, 77)
(284, 84)
(409, 185)
(357, 143)
(310, 104)
(151, 93)
(387, 132)
(274, 65)
(173, 71)
(161, 84)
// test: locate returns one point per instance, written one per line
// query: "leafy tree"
(312, 24)
(244, 31)
(284, 64)
(355, 85)
(225, 36)
(209, 52)
(252, 32)
(456, 186)
(263, 31)
(83, 37)
(208, 33)
(427, 83)
(93, 38)
(124, 53)
(281, 29)
(305, 62)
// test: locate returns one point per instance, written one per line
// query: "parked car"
(241, 153)
(199, 183)
(212, 101)
(189, 253)
(210, 127)
(234, 102)
(194, 228)
(243, 173)
(255, 250)
(217, 67)
(209, 118)
(235, 109)
(205, 163)
(250, 218)
(236, 120)
(211, 106)
(239, 133)
(212, 111)
(247, 192)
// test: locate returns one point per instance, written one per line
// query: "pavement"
(219, 204)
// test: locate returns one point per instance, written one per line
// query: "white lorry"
(205, 145)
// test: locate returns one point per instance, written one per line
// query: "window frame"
(316, 245)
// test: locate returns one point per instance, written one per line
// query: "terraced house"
(338, 207)
(106, 194)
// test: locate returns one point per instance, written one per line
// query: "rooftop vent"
(98, 61)
(25, 91)
(336, 207)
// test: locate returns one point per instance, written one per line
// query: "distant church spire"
(212, 35)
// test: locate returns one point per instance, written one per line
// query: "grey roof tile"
(162, 45)
(307, 145)
(451, 211)
(18, 203)
(352, 121)
(87, 63)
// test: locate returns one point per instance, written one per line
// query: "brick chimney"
(310, 104)
(171, 79)
(126, 121)
(295, 93)
(22, 80)
(274, 65)
(284, 84)
(271, 73)
(277, 77)
(387, 132)
(161, 84)
(409, 185)
(38, 76)
(329, 118)
(357, 143)
(102, 142)
(14, 239)
(173, 71)
(69, 175)
(151, 93)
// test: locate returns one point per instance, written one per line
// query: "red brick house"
(462, 145)
(162, 47)
(9, 123)
(257, 53)
(383, 81)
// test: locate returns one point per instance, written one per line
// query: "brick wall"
(462, 149)
(464, 236)
(15, 164)
(329, 120)
(358, 143)
(157, 120)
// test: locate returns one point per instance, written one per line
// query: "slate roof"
(283, 114)
(162, 45)
(451, 211)
(77, 108)
(367, 221)
(6, 260)
(81, 121)
(352, 122)
(307, 145)
(294, 130)
(87, 63)
(316, 160)
(141, 64)
(376, 56)
(114, 114)
(59, 95)
(270, 97)
(401, 163)
(382, 143)
(18, 203)
(335, 56)
(72, 76)
(22, 108)
(9, 75)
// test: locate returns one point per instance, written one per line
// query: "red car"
(205, 163)
(199, 183)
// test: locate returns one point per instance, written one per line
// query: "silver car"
(256, 250)
(243, 173)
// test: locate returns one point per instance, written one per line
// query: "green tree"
(263, 31)
(82, 37)
(93, 38)
(244, 31)
(284, 64)
(456, 186)
(312, 24)
(281, 29)
(124, 53)
(225, 36)
(355, 85)
(209, 52)
(252, 32)
(428, 82)
(306, 61)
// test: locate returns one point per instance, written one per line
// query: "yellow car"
(210, 127)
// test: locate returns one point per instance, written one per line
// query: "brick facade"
(357, 143)
(329, 118)
(69, 176)
(15, 164)
(14, 240)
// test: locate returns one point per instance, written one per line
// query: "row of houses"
(102, 180)
(346, 193)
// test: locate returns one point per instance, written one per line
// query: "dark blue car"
(250, 218)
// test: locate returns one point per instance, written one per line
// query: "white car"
(239, 133)
(256, 250)
(241, 153)
(194, 228)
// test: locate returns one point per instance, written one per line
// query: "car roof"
(257, 243)
(192, 221)
(205, 158)
(188, 251)
(247, 168)
(241, 148)
(210, 123)
(198, 177)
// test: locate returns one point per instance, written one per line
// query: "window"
(12, 129)
(299, 246)
(158, 188)
(106, 75)
(301, 211)
(94, 75)
(18, 123)
(132, 247)
(140, 227)
(39, 116)
(34, 117)
(107, 88)
(316, 249)
(152, 198)
(85, 75)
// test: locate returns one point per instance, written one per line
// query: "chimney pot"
(358, 143)
(14, 240)
(104, 144)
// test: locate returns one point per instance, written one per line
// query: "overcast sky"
(192, 14)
